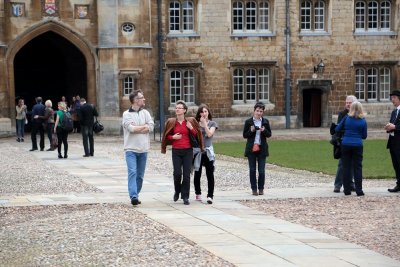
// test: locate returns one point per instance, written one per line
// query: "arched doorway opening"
(312, 108)
(49, 66)
(64, 40)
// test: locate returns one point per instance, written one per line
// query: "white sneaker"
(198, 197)
(209, 200)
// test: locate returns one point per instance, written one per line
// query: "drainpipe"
(160, 68)
(287, 67)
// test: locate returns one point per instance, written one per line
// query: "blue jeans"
(20, 128)
(254, 159)
(136, 163)
(339, 175)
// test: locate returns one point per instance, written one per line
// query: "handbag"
(193, 140)
(54, 140)
(255, 148)
(97, 126)
(337, 152)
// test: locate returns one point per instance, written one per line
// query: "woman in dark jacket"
(355, 131)
(256, 130)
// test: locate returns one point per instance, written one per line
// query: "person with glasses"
(256, 130)
(177, 133)
(137, 124)
(206, 158)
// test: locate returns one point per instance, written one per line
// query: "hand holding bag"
(97, 126)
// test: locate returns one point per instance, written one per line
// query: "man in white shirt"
(137, 124)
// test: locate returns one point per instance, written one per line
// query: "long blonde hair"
(356, 110)
(62, 105)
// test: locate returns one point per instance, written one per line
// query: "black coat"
(247, 133)
(394, 141)
(86, 115)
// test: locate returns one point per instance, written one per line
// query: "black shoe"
(50, 149)
(360, 193)
(85, 156)
(65, 156)
(176, 197)
(18, 140)
(91, 154)
(60, 156)
(347, 193)
(134, 201)
(22, 139)
(33, 149)
(395, 189)
(139, 202)
(186, 201)
(336, 190)
(42, 149)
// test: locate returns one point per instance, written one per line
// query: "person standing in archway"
(37, 124)
(20, 120)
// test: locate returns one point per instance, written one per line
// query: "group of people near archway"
(191, 139)
(45, 119)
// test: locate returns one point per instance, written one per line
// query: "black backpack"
(66, 121)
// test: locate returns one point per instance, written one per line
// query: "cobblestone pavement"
(75, 212)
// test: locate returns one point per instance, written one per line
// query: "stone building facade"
(300, 57)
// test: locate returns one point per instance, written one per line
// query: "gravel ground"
(68, 235)
(21, 173)
(373, 222)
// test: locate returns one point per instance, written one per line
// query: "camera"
(256, 127)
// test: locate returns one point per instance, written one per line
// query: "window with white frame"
(373, 15)
(251, 84)
(181, 16)
(373, 83)
(251, 16)
(128, 85)
(182, 85)
(313, 15)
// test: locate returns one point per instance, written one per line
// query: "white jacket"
(134, 141)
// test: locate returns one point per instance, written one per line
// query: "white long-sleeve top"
(133, 140)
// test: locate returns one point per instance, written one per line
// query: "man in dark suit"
(393, 128)
(86, 115)
(37, 113)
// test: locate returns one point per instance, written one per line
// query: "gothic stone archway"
(64, 34)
